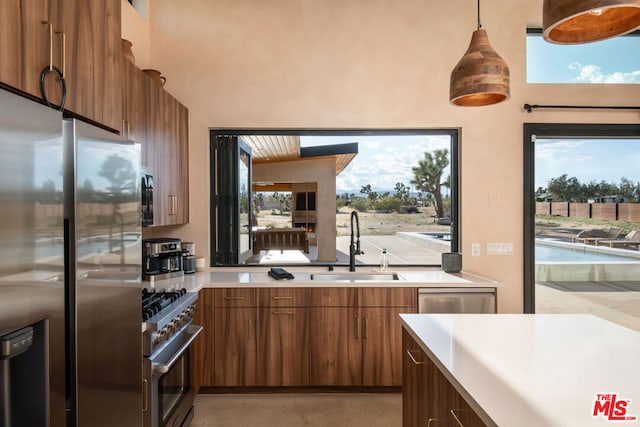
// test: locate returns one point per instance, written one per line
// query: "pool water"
(545, 253)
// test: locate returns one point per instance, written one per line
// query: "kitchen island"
(524, 370)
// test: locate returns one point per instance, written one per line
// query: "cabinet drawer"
(283, 297)
(334, 297)
(388, 297)
(235, 297)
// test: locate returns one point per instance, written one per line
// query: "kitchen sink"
(356, 277)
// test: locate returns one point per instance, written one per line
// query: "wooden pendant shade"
(481, 77)
(583, 21)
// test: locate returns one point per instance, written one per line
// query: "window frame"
(453, 133)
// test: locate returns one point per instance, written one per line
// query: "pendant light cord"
(479, 25)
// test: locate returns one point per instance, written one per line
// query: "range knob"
(171, 326)
(164, 333)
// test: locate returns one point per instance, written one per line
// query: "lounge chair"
(591, 237)
(631, 240)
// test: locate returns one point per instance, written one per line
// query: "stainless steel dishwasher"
(456, 300)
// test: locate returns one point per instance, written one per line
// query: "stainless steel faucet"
(354, 246)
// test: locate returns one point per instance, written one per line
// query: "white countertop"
(257, 277)
(534, 370)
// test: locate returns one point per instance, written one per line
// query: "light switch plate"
(499, 248)
(475, 249)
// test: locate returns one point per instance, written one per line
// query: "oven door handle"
(163, 368)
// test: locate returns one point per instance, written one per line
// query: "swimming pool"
(549, 253)
(563, 261)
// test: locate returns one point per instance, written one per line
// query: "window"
(402, 184)
(603, 62)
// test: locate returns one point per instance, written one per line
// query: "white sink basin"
(355, 277)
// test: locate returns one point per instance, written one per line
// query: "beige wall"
(323, 173)
(135, 28)
(367, 64)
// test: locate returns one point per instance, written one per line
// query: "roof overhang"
(283, 148)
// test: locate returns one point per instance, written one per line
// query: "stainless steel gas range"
(168, 333)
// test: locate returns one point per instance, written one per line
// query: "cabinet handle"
(455, 417)
(413, 359)
(357, 328)
(173, 200)
(366, 328)
(431, 420)
(281, 298)
(282, 312)
(50, 43)
(126, 129)
(145, 395)
(249, 325)
(63, 38)
(233, 298)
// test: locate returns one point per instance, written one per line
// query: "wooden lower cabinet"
(283, 346)
(359, 344)
(428, 398)
(382, 346)
(336, 346)
(302, 336)
(416, 379)
(254, 345)
(235, 347)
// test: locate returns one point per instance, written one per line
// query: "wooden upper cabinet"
(134, 106)
(24, 43)
(80, 38)
(168, 155)
(178, 150)
(90, 54)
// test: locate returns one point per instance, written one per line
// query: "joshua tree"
(428, 176)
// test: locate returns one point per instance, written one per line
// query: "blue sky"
(598, 62)
(590, 63)
(382, 161)
(587, 159)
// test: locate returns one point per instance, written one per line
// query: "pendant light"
(481, 77)
(583, 21)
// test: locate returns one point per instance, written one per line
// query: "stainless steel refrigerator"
(70, 254)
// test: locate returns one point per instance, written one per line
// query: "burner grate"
(154, 301)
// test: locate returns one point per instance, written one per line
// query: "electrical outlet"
(499, 248)
(475, 249)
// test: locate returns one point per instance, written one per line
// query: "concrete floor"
(622, 307)
(294, 410)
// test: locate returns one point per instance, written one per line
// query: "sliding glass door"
(582, 220)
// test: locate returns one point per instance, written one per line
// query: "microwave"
(146, 187)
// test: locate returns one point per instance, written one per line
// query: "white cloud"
(383, 161)
(594, 74)
(372, 144)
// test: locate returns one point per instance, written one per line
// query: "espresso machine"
(161, 259)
